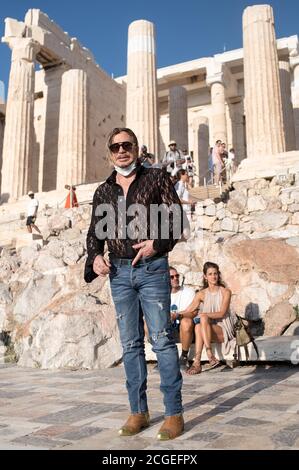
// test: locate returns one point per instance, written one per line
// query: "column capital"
(294, 58)
(215, 78)
(215, 72)
(25, 49)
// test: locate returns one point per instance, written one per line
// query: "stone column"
(286, 101)
(218, 116)
(142, 112)
(294, 62)
(201, 149)
(178, 116)
(72, 139)
(2, 127)
(19, 132)
(263, 109)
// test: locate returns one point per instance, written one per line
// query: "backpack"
(243, 338)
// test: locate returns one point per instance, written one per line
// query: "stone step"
(207, 192)
(28, 239)
(271, 349)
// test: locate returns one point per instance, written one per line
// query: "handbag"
(243, 338)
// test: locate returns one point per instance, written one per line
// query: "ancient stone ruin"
(57, 117)
(56, 123)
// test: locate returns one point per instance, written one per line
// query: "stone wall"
(55, 320)
(254, 237)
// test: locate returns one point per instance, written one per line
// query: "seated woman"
(214, 322)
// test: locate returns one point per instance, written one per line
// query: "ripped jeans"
(145, 290)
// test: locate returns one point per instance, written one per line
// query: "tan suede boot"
(134, 424)
(172, 427)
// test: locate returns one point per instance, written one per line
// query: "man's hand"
(174, 316)
(145, 250)
(101, 266)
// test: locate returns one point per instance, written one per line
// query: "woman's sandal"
(212, 364)
(194, 369)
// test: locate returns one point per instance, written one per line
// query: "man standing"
(145, 158)
(139, 276)
(181, 298)
(32, 213)
(173, 159)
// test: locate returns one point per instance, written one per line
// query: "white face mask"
(127, 170)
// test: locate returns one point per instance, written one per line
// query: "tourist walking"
(32, 209)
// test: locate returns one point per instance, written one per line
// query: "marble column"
(287, 106)
(2, 127)
(201, 148)
(19, 132)
(72, 139)
(263, 108)
(178, 116)
(294, 62)
(142, 108)
(218, 116)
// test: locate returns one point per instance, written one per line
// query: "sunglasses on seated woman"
(127, 146)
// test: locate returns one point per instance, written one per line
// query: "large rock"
(46, 263)
(36, 295)
(5, 306)
(55, 248)
(278, 318)
(75, 331)
(278, 260)
(180, 254)
(72, 234)
(205, 222)
(230, 225)
(256, 203)
(57, 223)
(287, 231)
(70, 255)
(237, 202)
(8, 266)
(269, 220)
(29, 254)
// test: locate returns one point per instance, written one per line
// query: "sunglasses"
(174, 276)
(127, 146)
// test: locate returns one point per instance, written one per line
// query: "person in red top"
(71, 200)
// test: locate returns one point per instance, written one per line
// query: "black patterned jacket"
(151, 186)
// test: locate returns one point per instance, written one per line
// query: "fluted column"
(286, 101)
(72, 139)
(263, 109)
(218, 116)
(294, 61)
(142, 112)
(19, 133)
(178, 116)
(2, 126)
(200, 127)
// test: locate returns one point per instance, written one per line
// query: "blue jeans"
(145, 290)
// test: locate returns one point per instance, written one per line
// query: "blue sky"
(185, 29)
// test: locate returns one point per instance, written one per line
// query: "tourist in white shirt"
(173, 159)
(181, 188)
(230, 165)
(181, 298)
(32, 209)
